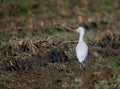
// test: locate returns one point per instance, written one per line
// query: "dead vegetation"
(53, 57)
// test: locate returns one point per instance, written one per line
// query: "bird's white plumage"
(81, 48)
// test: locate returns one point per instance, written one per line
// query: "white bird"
(81, 48)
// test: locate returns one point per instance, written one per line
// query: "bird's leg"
(82, 68)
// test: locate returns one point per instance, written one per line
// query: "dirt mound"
(107, 44)
(20, 54)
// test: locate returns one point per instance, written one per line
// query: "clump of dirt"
(108, 44)
(16, 55)
(94, 76)
(20, 54)
(49, 51)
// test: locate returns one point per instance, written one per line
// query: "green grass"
(25, 5)
(115, 62)
(102, 84)
(4, 37)
(108, 2)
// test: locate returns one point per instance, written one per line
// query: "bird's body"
(81, 48)
(82, 51)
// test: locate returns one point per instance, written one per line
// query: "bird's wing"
(82, 51)
(82, 48)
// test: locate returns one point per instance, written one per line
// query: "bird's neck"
(81, 37)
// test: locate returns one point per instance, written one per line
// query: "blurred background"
(38, 40)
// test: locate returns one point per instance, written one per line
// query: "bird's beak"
(76, 30)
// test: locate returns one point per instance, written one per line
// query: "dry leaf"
(20, 42)
(90, 20)
(41, 23)
(31, 26)
(80, 19)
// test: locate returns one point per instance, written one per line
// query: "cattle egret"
(81, 48)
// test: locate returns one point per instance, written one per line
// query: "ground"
(38, 40)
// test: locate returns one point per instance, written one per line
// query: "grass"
(4, 37)
(108, 2)
(115, 62)
(107, 84)
(23, 7)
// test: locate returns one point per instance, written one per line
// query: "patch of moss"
(115, 62)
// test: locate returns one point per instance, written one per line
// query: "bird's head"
(80, 30)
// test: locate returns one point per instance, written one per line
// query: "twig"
(68, 28)
(52, 37)
(65, 42)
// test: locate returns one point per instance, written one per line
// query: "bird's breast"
(82, 51)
